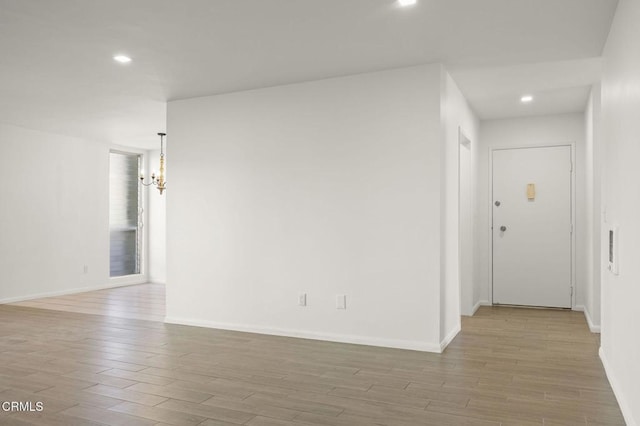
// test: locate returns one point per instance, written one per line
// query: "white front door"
(532, 226)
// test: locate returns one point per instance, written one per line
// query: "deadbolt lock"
(497, 203)
(503, 228)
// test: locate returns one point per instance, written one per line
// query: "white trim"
(128, 280)
(62, 292)
(143, 164)
(572, 146)
(477, 306)
(474, 309)
(156, 280)
(341, 338)
(592, 326)
(615, 386)
(445, 342)
(146, 245)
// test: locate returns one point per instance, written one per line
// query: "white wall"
(594, 161)
(529, 131)
(156, 224)
(457, 249)
(327, 187)
(620, 349)
(54, 218)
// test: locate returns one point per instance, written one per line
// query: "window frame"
(142, 276)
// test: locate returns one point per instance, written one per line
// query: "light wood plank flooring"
(144, 301)
(507, 367)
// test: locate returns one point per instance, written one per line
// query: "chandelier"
(157, 180)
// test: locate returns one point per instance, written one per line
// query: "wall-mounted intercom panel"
(614, 236)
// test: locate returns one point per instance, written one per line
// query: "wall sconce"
(157, 180)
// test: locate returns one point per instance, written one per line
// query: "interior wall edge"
(449, 338)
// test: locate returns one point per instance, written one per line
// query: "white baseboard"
(480, 303)
(65, 292)
(331, 337)
(622, 402)
(593, 327)
(475, 307)
(449, 338)
(129, 280)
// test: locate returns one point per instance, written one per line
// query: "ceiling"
(557, 87)
(57, 72)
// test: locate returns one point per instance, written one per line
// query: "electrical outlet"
(341, 301)
(302, 299)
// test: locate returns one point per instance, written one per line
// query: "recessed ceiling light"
(122, 59)
(526, 99)
(404, 3)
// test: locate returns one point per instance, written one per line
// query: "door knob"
(503, 228)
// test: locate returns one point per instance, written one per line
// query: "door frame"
(572, 146)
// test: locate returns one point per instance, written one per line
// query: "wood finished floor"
(508, 366)
(144, 301)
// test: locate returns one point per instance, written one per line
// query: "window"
(125, 208)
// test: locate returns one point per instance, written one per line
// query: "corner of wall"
(449, 337)
(457, 249)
